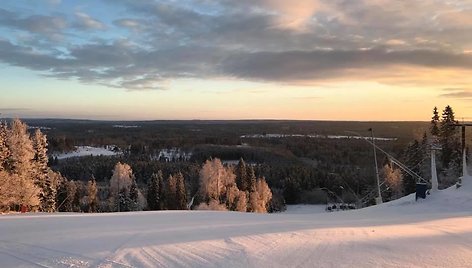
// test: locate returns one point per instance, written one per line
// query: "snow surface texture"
(87, 151)
(436, 232)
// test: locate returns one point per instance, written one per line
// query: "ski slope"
(436, 232)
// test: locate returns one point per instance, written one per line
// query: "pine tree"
(153, 197)
(251, 179)
(434, 129)
(241, 175)
(92, 195)
(123, 200)
(41, 170)
(121, 179)
(241, 202)
(448, 139)
(181, 194)
(133, 196)
(4, 151)
(215, 180)
(171, 192)
(161, 192)
(7, 192)
(22, 165)
(71, 204)
(413, 159)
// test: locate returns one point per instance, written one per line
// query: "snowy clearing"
(436, 232)
(87, 151)
(313, 136)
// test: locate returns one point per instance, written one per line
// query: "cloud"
(38, 24)
(293, 15)
(457, 93)
(131, 24)
(85, 22)
(320, 64)
(274, 41)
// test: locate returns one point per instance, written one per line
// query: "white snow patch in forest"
(435, 232)
(126, 126)
(88, 151)
(314, 136)
(172, 154)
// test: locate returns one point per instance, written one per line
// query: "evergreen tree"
(123, 200)
(171, 197)
(4, 151)
(121, 179)
(450, 145)
(133, 196)
(153, 195)
(413, 159)
(181, 194)
(22, 165)
(251, 179)
(161, 192)
(41, 170)
(434, 129)
(71, 202)
(92, 195)
(241, 175)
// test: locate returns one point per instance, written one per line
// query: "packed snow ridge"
(435, 232)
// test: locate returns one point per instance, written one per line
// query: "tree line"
(28, 183)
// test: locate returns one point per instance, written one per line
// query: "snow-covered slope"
(436, 232)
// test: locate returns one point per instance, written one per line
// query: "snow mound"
(452, 199)
(435, 232)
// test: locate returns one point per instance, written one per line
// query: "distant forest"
(301, 161)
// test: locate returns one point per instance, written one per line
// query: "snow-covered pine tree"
(181, 194)
(92, 195)
(215, 180)
(241, 202)
(153, 192)
(41, 172)
(121, 179)
(259, 199)
(22, 166)
(4, 151)
(7, 193)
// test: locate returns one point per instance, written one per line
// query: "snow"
(435, 232)
(126, 126)
(314, 136)
(173, 154)
(305, 209)
(87, 151)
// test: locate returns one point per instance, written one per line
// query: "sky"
(378, 60)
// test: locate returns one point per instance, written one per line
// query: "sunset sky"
(235, 59)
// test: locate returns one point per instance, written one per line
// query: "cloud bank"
(140, 45)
